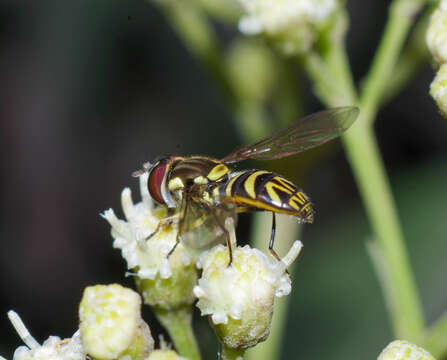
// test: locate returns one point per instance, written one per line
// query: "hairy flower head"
(404, 350)
(52, 349)
(146, 256)
(436, 36)
(239, 298)
(292, 23)
(438, 89)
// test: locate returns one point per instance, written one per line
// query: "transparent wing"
(303, 134)
(201, 224)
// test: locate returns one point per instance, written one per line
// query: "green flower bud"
(404, 350)
(438, 89)
(436, 36)
(164, 281)
(111, 325)
(292, 24)
(239, 298)
(52, 349)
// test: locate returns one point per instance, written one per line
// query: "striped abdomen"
(264, 190)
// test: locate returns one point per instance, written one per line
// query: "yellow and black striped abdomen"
(261, 190)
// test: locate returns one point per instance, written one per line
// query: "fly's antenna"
(146, 167)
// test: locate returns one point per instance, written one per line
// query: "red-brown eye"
(156, 180)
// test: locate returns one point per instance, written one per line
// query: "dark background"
(91, 89)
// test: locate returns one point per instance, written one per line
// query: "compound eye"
(155, 181)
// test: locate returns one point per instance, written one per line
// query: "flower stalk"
(361, 148)
(178, 322)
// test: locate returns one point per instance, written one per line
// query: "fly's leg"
(227, 233)
(272, 239)
(162, 224)
(223, 228)
(181, 215)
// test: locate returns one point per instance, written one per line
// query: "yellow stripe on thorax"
(249, 183)
(217, 172)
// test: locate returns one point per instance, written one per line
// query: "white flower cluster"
(436, 38)
(239, 298)
(52, 349)
(275, 16)
(148, 257)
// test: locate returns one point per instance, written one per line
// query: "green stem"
(435, 339)
(288, 232)
(232, 354)
(364, 157)
(402, 13)
(413, 57)
(178, 324)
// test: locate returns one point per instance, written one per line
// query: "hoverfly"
(202, 191)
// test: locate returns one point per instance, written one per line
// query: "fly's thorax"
(264, 190)
(198, 175)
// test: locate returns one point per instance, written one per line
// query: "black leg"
(272, 239)
(183, 212)
(223, 228)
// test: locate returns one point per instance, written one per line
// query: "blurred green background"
(91, 89)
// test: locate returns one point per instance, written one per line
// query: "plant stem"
(402, 13)
(364, 157)
(178, 324)
(232, 354)
(413, 57)
(435, 338)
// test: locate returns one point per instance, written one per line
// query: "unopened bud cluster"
(436, 38)
(111, 328)
(404, 350)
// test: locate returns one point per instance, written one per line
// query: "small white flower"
(148, 257)
(404, 350)
(438, 89)
(110, 323)
(436, 36)
(52, 349)
(239, 298)
(275, 16)
(293, 25)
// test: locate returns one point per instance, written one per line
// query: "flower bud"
(111, 325)
(436, 36)
(52, 349)
(165, 281)
(239, 298)
(292, 24)
(404, 350)
(438, 89)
